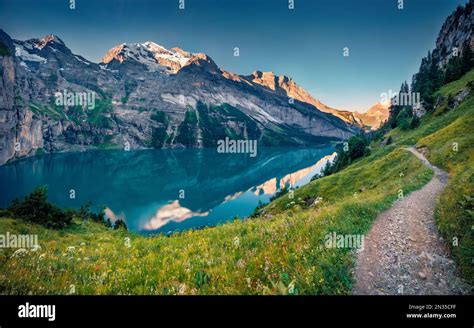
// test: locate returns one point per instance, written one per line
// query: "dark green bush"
(355, 147)
(120, 224)
(415, 122)
(36, 208)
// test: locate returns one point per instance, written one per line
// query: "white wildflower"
(236, 241)
(19, 253)
(181, 289)
(291, 288)
(249, 282)
(317, 201)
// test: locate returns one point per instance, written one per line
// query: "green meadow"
(279, 251)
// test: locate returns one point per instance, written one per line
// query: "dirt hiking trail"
(403, 252)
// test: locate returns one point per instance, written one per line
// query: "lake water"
(164, 190)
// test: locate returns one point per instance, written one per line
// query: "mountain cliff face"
(454, 40)
(17, 126)
(456, 32)
(451, 58)
(146, 96)
(8, 116)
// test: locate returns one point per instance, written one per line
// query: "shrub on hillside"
(85, 213)
(120, 224)
(36, 208)
(355, 147)
(415, 122)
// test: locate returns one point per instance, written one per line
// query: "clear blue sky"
(386, 44)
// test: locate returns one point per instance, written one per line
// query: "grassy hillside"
(283, 253)
(280, 252)
(449, 141)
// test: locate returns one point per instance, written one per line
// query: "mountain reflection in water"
(144, 187)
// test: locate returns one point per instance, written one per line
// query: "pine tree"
(467, 59)
(415, 122)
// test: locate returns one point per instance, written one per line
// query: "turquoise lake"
(164, 190)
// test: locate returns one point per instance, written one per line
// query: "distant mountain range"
(375, 116)
(149, 96)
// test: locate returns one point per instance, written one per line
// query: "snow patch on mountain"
(81, 60)
(179, 99)
(21, 52)
(150, 54)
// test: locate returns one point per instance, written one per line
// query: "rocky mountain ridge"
(146, 96)
(287, 86)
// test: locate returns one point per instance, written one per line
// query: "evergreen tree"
(467, 59)
(415, 122)
(454, 70)
(120, 224)
(36, 208)
(401, 112)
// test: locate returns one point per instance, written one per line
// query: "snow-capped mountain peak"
(37, 50)
(154, 47)
(48, 39)
(150, 54)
